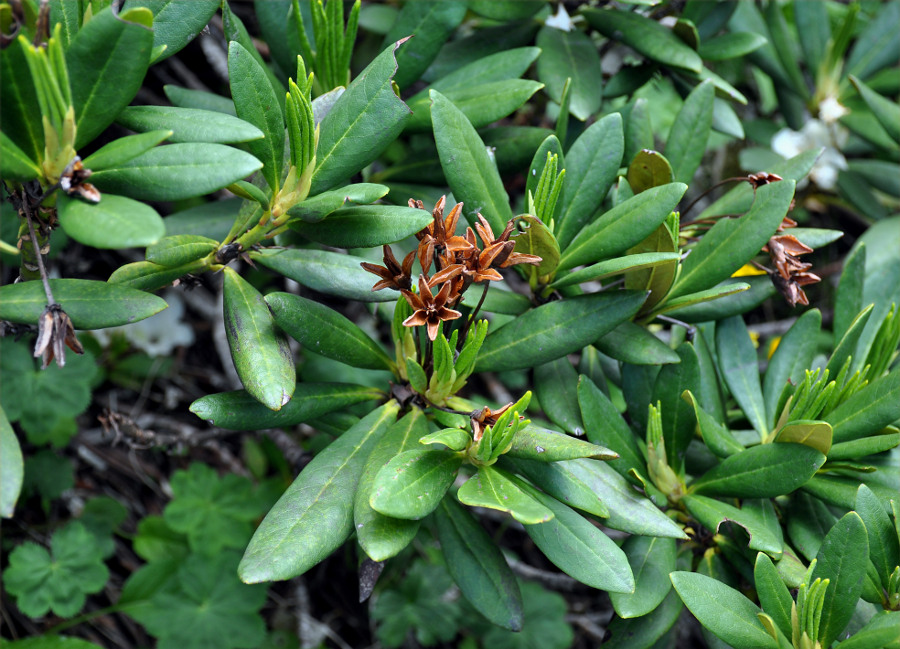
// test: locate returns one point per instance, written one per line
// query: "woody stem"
(26, 208)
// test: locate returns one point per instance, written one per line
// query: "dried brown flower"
(790, 273)
(485, 417)
(429, 309)
(435, 236)
(763, 178)
(392, 274)
(73, 182)
(55, 332)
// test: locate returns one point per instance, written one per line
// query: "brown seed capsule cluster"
(790, 273)
(457, 263)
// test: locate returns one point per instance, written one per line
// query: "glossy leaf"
(316, 208)
(123, 149)
(432, 23)
(644, 632)
(180, 249)
(859, 448)
(412, 484)
(177, 171)
(604, 426)
(20, 119)
(789, 362)
(731, 45)
(260, 352)
(365, 120)
(868, 410)
(774, 597)
(495, 489)
(878, 632)
(238, 410)
(11, 468)
(731, 297)
(147, 276)
(884, 550)
(571, 54)
(455, 439)
(815, 434)
(556, 480)
(15, 163)
(764, 471)
(554, 386)
(592, 163)
(499, 301)
(846, 348)
(189, 124)
(199, 99)
(315, 515)
(651, 559)
(107, 61)
(657, 279)
(740, 370)
(507, 64)
(175, 23)
(842, 559)
(730, 243)
(716, 436)
(712, 513)
(90, 304)
(481, 104)
(532, 237)
(555, 329)
(478, 567)
(325, 331)
(677, 416)
(648, 169)
(469, 170)
(534, 443)
(723, 610)
(382, 537)
(623, 226)
(690, 131)
(848, 300)
(877, 45)
(331, 273)
(365, 226)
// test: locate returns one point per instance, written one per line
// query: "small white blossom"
(561, 20)
(831, 110)
(815, 134)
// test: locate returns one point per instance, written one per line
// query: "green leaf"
(866, 411)
(365, 120)
(478, 566)
(740, 369)
(199, 99)
(175, 24)
(716, 436)
(604, 426)
(848, 300)
(648, 169)
(730, 243)
(615, 266)
(58, 580)
(120, 151)
(814, 30)
(255, 102)
(15, 163)
(315, 515)
(147, 276)
(723, 610)
(534, 443)
(623, 226)
(432, 23)
(412, 484)
(815, 434)
(884, 550)
(455, 439)
(481, 104)
(326, 332)
(885, 111)
(592, 163)
(555, 329)
(180, 249)
(52, 642)
(554, 478)
(495, 489)
(764, 471)
(261, 354)
(505, 64)
(774, 597)
(382, 537)
(731, 297)
(651, 559)
(690, 131)
(114, 222)
(644, 632)
(470, 172)
(11, 467)
(842, 559)
(571, 54)
(532, 237)
(189, 124)
(677, 416)
(791, 359)
(177, 171)
(644, 35)
(846, 348)
(107, 61)
(554, 386)
(365, 226)
(156, 541)
(579, 549)
(859, 448)
(90, 304)
(331, 273)
(658, 279)
(499, 301)
(877, 45)
(316, 208)
(730, 45)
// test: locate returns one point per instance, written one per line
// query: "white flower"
(815, 134)
(157, 335)
(831, 110)
(561, 20)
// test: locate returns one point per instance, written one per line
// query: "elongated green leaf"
(255, 102)
(878, 44)
(90, 304)
(651, 559)
(554, 385)
(723, 290)
(846, 348)
(690, 132)
(859, 448)
(495, 489)
(120, 151)
(604, 426)
(365, 226)
(615, 266)
(11, 467)
(481, 104)
(571, 54)
(555, 329)
(644, 632)
(815, 434)
(712, 513)
(325, 331)
(723, 610)
(848, 301)
(623, 226)
(470, 172)
(730, 243)
(774, 597)
(794, 355)
(842, 559)
(114, 222)
(499, 301)
(147, 276)
(591, 166)
(878, 632)
(199, 99)
(716, 437)
(175, 23)
(532, 237)
(177, 171)
(886, 111)
(20, 118)
(107, 61)
(731, 297)
(240, 411)
(868, 410)
(382, 537)
(15, 163)
(764, 471)
(478, 567)
(365, 120)
(555, 480)
(579, 549)
(412, 484)
(506, 64)
(314, 209)
(180, 249)
(315, 515)
(644, 35)
(327, 272)
(261, 354)
(648, 169)
(740, 369)
(884, 550)
(730, 46)
(432, 23)
(677, 416)
(189, 124)
(632, 343)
